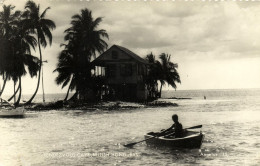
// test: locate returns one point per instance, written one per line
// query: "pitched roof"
(125, 50)
(133, 55)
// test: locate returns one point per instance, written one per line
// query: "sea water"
(230, 119)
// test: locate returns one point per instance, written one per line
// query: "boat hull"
(192, 141)
(12, 113)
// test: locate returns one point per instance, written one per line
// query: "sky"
(216, 44)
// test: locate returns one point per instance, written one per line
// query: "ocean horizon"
(193, 93)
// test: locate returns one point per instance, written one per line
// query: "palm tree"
(37, 23)
(23, 42)
(153, 76)
(67, 69)
(3, 61)
(7, 22)
(83, 42)
(84, 33)
(169, 73)
(22, 59)
(15, 48)
(163, 71)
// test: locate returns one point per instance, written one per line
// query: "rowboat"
(8, 110)
(191, 140)
(11, 113)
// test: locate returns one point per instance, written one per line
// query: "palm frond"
(47, 33)
(44, 12)
(48, 23)
(65, 83)
(41, 38)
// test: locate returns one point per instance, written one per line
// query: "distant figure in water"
(176, 128)
(205, 97)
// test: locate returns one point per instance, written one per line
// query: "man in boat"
(175, 129)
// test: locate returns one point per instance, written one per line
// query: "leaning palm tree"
(15, 45)
(18, 64)
(83, 42)
(169, 73)
(8, 20)
(37, 23)
(67, 68)
(3, 50)
(16, 57)
(23, 42)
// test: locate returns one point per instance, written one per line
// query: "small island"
(86, 66)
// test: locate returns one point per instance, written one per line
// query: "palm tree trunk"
(67, 95)
(43, 95)
(160, 94)
(2, 90)
(74, 97)
(39, 76)
(20, 92)
(13, 94)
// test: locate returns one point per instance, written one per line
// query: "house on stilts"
(124, 74)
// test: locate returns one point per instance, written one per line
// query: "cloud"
(142, 37)
(177, 9)
(184, 26)
(200, 33)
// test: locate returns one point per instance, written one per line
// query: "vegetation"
(37, 24)
(163, 71)
(15, 45)
(83, 41)
(17, 37)
(22, 31)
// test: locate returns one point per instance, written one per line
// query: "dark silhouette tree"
(163, 71)
(83, 42)
(169, 73)
(154, 75)
(15, 45)
(67, 68)
(37, 23)
(8, 20)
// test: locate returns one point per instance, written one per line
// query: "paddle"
(132, 144)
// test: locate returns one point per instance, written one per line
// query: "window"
(114, 54)
(111, 70)
(126, 69)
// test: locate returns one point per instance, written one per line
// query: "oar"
(132, 144)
